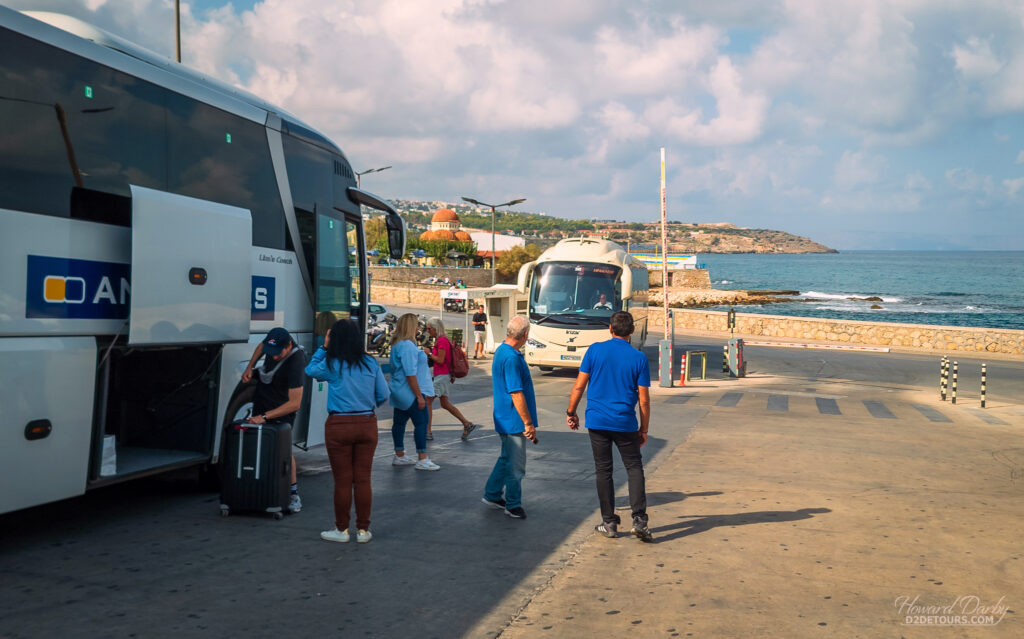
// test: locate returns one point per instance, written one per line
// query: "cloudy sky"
(860, 124)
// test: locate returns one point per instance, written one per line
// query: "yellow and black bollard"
(955, 367)
(725, 358)
(983, 375)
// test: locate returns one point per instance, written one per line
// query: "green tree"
(512, 259)
(376, 233)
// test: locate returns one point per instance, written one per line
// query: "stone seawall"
(919, 337)
(388, 275)
(698, 278)
(916, 337)
(406, 295)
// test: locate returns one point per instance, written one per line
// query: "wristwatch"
(569, 414)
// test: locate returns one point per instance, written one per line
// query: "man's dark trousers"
(628, 444)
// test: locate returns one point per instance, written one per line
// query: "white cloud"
(974, 59)
(858, 169)
(740, 115)
(967, 180)
(644, 61)
(1013, 186)
(1020, 158)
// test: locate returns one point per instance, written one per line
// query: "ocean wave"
(949, 294)
(847, 296)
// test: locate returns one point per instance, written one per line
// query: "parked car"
(377, 309)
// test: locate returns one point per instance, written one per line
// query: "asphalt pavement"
(154, 558)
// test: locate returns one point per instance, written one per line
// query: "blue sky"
(861, 124)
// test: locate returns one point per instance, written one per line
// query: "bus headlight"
(532, 343)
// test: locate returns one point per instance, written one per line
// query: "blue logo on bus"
(65, 288)
(262, 298)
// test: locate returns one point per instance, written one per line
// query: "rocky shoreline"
(702, 298)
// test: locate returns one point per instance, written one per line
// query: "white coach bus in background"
(572, 290)
(155, 223)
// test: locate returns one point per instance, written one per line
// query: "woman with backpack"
(442, 357)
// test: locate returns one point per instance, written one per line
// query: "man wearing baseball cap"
(278, 387)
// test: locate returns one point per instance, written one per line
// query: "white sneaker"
(404, 460)
(294, 503)
(426, 464)
(363, 536)
(340, 536)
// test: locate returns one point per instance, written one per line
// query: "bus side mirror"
(396, 235)
(525, 272)
(627, 283)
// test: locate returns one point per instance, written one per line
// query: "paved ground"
(802, 500)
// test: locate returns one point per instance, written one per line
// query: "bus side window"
(67, 123)
(217, 156)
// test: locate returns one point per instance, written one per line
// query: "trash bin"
(737, 365)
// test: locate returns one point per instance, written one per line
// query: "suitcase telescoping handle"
(241, 427)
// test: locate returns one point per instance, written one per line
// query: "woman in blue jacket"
(356, 386)
(411, 383)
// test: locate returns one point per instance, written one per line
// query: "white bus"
(154, 225)
(572, 290)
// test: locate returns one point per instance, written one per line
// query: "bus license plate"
(571, 358)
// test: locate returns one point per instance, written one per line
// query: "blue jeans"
(508, 471)
(419, 418)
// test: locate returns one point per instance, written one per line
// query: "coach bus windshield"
(576, 294)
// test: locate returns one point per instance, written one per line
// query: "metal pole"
(177, 30)
(494, 271)
(942, 377)
(983, 375)
(664, 242)
(955, 374)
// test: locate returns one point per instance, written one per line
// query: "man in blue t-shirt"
(619, 377)
(515, 419)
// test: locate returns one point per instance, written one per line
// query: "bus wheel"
(240, 407)
(546, 369)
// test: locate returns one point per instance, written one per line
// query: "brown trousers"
(351, 441)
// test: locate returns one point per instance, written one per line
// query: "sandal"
(430, 436)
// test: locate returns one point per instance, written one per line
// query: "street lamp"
(493, 207)
(383, 168)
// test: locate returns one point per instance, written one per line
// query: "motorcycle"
(455, 306)
(378, 334)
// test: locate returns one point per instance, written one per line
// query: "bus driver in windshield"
(603, 302)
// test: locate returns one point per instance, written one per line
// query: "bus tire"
(546, 369)
(236, 408)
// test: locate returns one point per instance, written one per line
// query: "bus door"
(188, 295)
(333, 300)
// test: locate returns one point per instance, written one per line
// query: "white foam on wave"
(847, 296)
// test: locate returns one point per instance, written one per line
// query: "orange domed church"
(445, 225)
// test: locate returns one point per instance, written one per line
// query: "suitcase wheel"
(278, 516)
(224, 511)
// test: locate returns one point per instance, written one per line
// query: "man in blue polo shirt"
(619, 377)
(515, 419)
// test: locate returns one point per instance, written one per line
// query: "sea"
(947, 288)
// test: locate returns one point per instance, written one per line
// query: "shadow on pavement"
(155, 558)
(704, 523)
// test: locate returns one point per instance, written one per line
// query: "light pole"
(361, 173)
(493, 208)
(177, 31)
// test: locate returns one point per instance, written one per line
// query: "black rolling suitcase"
(256, 468)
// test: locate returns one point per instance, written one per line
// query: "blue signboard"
(65, 288)
(262, 298)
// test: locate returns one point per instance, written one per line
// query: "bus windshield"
(575, 293)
